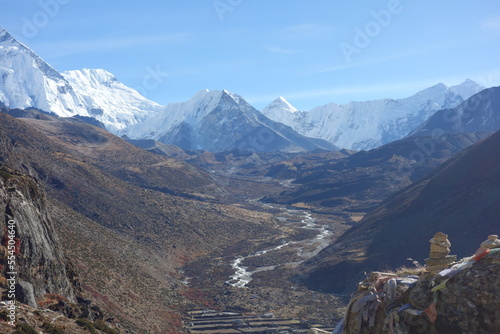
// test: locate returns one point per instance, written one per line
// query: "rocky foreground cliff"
(461, 299)
(38, 292)
(37, 258)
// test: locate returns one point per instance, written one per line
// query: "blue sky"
(312, 53)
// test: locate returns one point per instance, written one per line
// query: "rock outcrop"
(39, 260)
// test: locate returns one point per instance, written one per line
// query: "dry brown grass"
(404, 270)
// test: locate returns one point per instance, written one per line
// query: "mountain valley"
(135, 216)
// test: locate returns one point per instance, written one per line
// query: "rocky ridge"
(36, 276)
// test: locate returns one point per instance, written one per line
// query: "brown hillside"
(127, 218)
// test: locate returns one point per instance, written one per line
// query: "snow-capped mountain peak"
(217, 121)
(9, 46)
(108, 100)
(211, 117)
(467, 88)
(190, 112)
(280, 110)
(26, 80)
(279, 105)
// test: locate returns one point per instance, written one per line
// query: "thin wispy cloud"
(108, 44)
(305, 31)
(276, 49)
(491, 25)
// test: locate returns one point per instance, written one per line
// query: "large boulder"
(25, 293)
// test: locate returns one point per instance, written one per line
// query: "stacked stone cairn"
(439, 257)
(492, 242)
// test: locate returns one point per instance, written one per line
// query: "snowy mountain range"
(28, 81)
(369, 124)
(213, 120)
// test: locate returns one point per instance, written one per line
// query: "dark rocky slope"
(359, 182)
(460, 198)
(480, 112)
(161, 202)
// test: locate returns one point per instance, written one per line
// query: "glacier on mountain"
(190, 113)
(28, 81)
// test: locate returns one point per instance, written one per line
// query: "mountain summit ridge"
(6, 38)
(28, 81)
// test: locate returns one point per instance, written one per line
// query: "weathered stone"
(436, 248)
(441, 237)
(468, 304)
(434, 269)
(25, 293)
(448, 259)
(445, 243)
(436, 255)
(492, 242)
(64, 308)
(439, 250)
